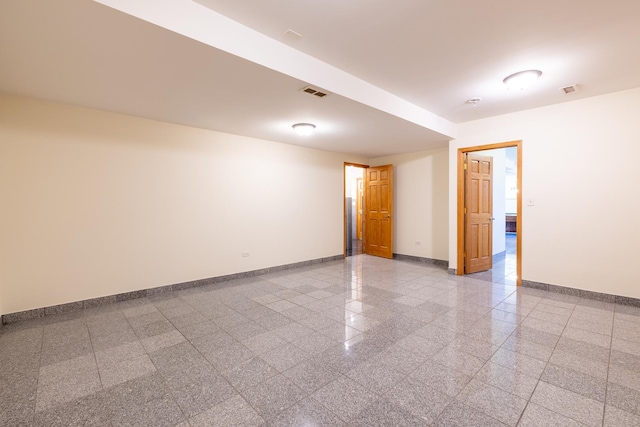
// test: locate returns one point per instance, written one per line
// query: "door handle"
(492, 219)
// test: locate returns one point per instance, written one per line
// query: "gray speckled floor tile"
(577, 382)
(72, 350)
(519, 362)
(264, 343)
(307, 412)
(91, 411)
(274, 321)
(588, 337)
(232, 412)
(420, 345)
(229, 356)
(383, 413)
(624, 377)
(211, 343)
(345, 397)
(143, 402)
(66, 391)
(579, 364)
(503, 406)
(245, 330)
(435, 334)
(375, 377)
(514, 382)
(160, 341)
(534, 335)
(314, 343)
(458, 414)
(400, 359)
(196, 330)
(569, 404)
(340, 332)
(271, 397)
(623, 398)
(285, 357)
(535, 416)
(419, 399)
(153, 329)
(125, 370)
(459, 360)
(614, 417)
(119, 353)
(250, 373)
(442, 378)
(596, 325)
(584, 349)
(311, 376)
(528, 348)
(146, 319)
(197, 395)
(292, 331)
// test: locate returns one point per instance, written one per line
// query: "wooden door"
(478, 213)
(359, 200)
(378, 211)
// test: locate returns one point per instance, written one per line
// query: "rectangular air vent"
(313, 91)
(569, 89)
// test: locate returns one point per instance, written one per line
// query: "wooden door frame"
(344, 208)
(461, 201)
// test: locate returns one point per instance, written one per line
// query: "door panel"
(378, 208)
(479, 210)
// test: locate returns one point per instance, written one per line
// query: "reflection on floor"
(504, 265)
(355, 248)
(361, 342)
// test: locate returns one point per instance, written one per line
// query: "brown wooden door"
(359, 211)
(378, 211)
(479, 213)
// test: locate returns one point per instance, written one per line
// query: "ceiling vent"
(569, 89)
(313, 91)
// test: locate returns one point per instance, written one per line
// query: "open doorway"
(354, 209)
(489, 212)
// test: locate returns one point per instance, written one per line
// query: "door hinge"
(465, 210)
(465, 166)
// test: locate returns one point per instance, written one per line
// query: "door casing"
(461, 203)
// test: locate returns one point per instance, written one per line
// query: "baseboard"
(436, 262)
(598, 296)
(161, 290)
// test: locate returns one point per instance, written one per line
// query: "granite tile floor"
(361, 342)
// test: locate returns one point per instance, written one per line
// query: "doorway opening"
(489, 243)
(354, 209)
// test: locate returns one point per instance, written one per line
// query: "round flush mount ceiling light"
(522, 79)
(473, 101)
(304, 129)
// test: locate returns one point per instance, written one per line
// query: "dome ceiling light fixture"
(522, 79)
(473, 101)
(304, 129)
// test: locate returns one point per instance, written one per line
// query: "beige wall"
(96, 203)
(580, 165)
(420, 202)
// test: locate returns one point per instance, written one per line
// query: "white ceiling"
(399, 72)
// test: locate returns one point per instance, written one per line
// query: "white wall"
(96, 203)
(420, 203)
(580, 165)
